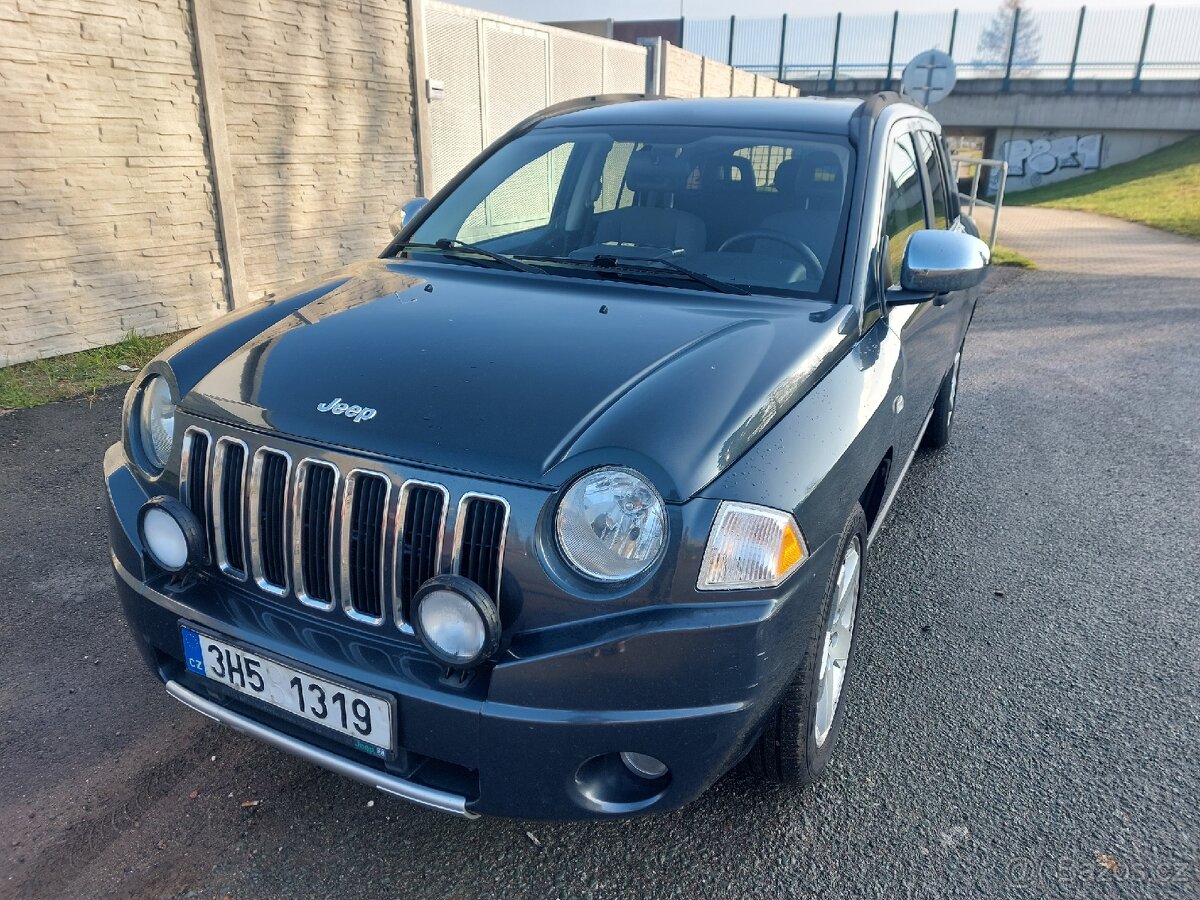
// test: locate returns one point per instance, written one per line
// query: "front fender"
(819, 458)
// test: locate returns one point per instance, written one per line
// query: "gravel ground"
(1023, 722)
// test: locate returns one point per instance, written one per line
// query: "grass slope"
(77, 374)
(1006, 256)
(1161, 189)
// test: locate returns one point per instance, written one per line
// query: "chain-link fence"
(1012, 42)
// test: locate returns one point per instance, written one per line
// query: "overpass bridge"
(1050, 129)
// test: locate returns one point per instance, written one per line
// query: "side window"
(523, 201)
(904, 212)
(935, 175)
(613, 193)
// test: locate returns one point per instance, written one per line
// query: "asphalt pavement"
(1024, 719)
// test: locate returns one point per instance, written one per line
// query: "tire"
(798, 738)
(937, 435)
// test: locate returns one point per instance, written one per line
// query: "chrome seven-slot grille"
(357, 539)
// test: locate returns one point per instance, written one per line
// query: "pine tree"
(997, 37)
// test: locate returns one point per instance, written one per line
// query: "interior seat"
(655, 176)
(726, 197)
(814, 200)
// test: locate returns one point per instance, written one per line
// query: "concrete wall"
(684, 73)
(111, 175)
(1049, 135)
(689, 75)
(1166, 105)
(1044, 156)
(320, 122)
(107, 220)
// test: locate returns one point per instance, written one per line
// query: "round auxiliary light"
(170, 533)
(156, 420)
(611, 524)
(644, 766)
(456, 620)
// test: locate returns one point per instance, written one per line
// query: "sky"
(559, 10)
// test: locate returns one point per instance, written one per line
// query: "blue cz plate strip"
(192, 652)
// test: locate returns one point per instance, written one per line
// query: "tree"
(997, 37)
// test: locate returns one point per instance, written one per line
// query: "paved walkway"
(1062, 240)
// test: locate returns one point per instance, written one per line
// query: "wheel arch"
(871, 499)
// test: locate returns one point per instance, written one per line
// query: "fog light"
(170, 533)
(644, 766)
(456, 620)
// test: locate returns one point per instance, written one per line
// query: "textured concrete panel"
(319, 109)
(105, 193)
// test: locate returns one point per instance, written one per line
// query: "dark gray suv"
(560, 508)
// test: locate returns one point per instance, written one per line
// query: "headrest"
(655, 169)
(719, 175)
(786, 174)
(819, 172)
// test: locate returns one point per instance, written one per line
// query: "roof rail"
(579, 103)
(863, 118)
(877, 103)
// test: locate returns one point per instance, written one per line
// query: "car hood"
(526, 378)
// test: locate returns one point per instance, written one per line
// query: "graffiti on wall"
(1035, 159)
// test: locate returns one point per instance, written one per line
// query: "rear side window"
(905, 210)
(935, 175)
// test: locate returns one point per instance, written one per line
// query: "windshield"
(759, 210)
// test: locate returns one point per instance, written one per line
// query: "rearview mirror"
(936, 262)
(404, 214)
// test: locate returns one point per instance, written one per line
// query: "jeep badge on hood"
(338, 408)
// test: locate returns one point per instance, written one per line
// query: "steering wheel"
(812, 265)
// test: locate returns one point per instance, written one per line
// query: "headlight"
(156, 421)
(611, 525)
(751, 547)
(456, 620)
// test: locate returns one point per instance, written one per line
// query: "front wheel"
(798, 738)
(937, 435)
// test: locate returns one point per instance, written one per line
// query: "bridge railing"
(1132, 42)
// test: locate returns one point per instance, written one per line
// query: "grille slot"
(333, 538)
(363, 525)
(195, 479)
(479, 555)
(419, 549)
(316, 496)
(229, 479)
(268, 530)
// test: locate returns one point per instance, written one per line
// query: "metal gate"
(486, 73)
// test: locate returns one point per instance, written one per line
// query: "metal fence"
(1135, 43)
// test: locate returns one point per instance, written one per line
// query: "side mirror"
(404, 214)
(936, 262)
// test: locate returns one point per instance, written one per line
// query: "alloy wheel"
(839, 634)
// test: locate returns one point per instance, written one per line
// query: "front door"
(921, 326)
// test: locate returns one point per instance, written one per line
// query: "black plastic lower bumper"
(463, 750)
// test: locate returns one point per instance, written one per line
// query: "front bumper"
(487, 746)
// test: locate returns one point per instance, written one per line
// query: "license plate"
(365, 719)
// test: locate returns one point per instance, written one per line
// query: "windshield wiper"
(643, 266)
(724, 287)
(451, 245)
